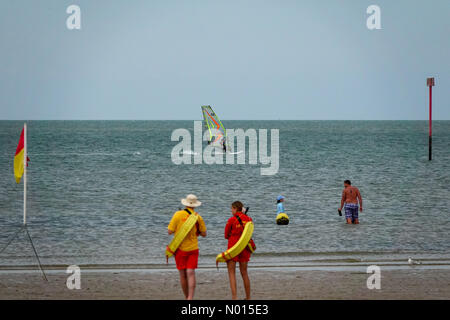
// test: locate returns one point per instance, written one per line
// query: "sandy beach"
(281, 283)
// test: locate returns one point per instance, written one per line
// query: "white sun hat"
(191, 201)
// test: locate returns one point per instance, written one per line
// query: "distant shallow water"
(103, 192)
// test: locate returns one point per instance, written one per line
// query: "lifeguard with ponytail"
(238, 227)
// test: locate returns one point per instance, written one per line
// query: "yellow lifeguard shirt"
(190, 242)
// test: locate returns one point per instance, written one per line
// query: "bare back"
(351, 195)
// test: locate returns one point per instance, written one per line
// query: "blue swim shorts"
(351, 211)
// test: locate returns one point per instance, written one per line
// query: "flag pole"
(25, 174)
(24, 226)
(25, 163)
(430, 84)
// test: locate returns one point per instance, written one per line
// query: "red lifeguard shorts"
(244, 256)
(186, 259)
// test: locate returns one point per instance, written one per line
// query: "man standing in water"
(350, 197)
(186, 255)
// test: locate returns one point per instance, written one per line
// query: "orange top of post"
(430, 82)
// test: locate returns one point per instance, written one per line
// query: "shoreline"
(324, 262)
(302, 260)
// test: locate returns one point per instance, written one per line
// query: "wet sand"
(410, 283)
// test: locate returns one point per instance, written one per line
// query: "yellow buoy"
(282, 219)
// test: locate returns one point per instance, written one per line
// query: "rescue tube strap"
(196, 224)
(224, 255)
(168, 249)
(167, 257)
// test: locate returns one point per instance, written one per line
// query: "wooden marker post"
(430, 84)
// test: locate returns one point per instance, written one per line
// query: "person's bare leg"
(231, 265)
(191, 283)
(243, 268)
(349, 221)
(184, 283)
(356, 221)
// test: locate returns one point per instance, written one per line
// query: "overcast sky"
(158, 59)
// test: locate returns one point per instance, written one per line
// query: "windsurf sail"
(217, 132)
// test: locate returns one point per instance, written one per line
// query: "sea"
(101, 193)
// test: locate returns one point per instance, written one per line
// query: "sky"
(262, 60)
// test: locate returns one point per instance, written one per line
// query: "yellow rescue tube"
(181, 234)
(239, 246)
(282, 219)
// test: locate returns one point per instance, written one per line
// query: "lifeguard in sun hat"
(191, 201)
(186, 225)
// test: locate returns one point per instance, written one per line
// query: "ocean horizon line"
(225, 119)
